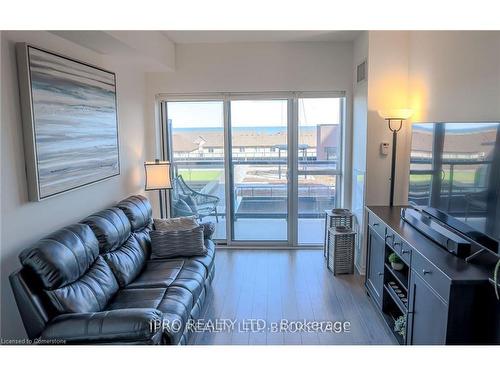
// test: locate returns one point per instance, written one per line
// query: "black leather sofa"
(94, 283)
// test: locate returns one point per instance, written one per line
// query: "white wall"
(23, 222)
(387, 89)
(257, 67)
(386, 53)
(359, 131)
(455, 75)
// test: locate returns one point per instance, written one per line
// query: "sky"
(252, 113)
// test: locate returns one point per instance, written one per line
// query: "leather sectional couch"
(94, 283)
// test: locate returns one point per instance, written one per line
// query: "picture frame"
(70, 122)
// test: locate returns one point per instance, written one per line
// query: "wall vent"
(361, 72)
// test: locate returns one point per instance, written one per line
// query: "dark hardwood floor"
(287, 284)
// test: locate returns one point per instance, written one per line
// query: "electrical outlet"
(384, 148)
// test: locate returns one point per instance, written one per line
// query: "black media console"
(439, 297)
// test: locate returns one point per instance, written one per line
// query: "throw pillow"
(181, 243)
(175, 223)
(208, 229)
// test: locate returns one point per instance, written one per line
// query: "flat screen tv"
(455, 176)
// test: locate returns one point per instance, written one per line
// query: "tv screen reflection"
(455, 168)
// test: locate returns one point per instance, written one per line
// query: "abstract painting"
(70, 122)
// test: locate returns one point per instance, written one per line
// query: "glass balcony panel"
(316, 194)
(319, 157)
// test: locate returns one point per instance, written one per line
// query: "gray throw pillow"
(175, 223)
(181, 243)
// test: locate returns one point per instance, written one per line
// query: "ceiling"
(145, 49)
(248, 36)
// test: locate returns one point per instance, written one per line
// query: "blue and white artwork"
(74, 122)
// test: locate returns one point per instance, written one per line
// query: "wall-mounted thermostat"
(384, 148)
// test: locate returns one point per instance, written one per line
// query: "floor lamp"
(395, 118)
(158, 178)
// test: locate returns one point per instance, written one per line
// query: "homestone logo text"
(250, 325)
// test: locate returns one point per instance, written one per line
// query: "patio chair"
(187, 201)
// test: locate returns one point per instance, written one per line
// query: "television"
(455, 177)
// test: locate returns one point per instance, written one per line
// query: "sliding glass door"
(196, 137)
(263, 168)
(319, 157)
(259, 174)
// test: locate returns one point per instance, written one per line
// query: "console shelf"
(390, 320)
(396, 299)
(400, 277)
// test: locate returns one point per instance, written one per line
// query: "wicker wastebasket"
(337, 217)
(340, 250)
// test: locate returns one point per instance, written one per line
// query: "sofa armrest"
(208, 230)
(113, 326)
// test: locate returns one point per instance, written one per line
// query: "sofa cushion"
(111, 227)
(191, 277)
(137, 298)
(155, 298)
(192, 265)
(158, 274)
(175, 303)
(208, 259)
(124, 326)
(176, 307)
(118, 246)
(90, 293)
(138, 211)
(144, 240)
(62, 257)
(127, 261)
(175, 298)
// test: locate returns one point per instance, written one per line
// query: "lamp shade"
(157, 175)
(395, 114)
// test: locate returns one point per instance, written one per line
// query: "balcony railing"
(268, 199)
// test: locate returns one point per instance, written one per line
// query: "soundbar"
(434, 230)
